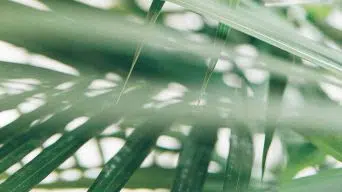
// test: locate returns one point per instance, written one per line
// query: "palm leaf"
(194, 160)
(96, 45)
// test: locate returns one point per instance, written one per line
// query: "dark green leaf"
(54, 155)
(152, 16)
(240, 161)
(277, 85)
(120, 168)
(194, 159)
(222, 32)
(301, 156)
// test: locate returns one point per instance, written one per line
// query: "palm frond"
(60, 96)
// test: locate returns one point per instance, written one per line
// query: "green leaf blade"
(194, 159)
(120, 168)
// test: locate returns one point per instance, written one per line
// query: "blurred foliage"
(273, 71)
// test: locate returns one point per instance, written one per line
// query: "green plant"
(275, 81)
